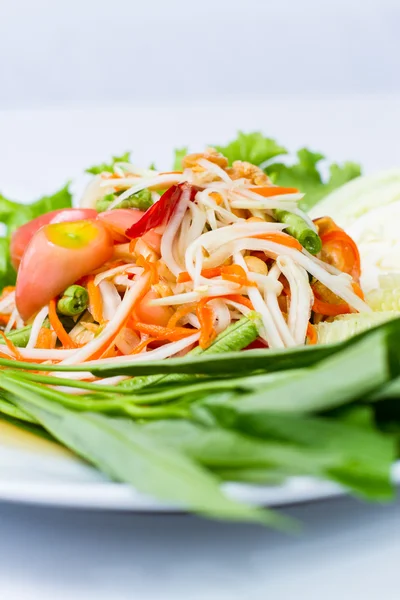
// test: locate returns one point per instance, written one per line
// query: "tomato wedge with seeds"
(121, 219)
(58, 255)
(23, 235)
(338, 248)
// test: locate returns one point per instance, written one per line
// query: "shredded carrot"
(280, 238)
(58, 327)
(237, 274)
(184, 277)
(240, 300)
(357, 290)
(95, 300)
(149, 267)
(11, 347)
(4, 319)
(172, 334)
(273, 190)
(45, 339)
(180, 313)
(312, 336)
(143, 344)
(206, 319)
(110, 352)
(330, 310)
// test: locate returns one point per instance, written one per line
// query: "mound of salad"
(195, 265)
(154, 263)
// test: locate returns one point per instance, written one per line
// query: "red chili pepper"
(161, 212)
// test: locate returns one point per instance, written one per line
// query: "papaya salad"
(154, 264)
(184, 329)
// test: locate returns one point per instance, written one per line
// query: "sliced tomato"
(338, 248)
(23, 235)
(57, 256)
(121, 219)
(153, 315)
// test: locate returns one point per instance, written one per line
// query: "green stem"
(88, 404)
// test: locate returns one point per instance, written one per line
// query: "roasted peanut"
(256, 265)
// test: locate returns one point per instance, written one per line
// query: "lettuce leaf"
(306, 176)
(109, 167)
(251, 147)
(179, 154)
(7, 273)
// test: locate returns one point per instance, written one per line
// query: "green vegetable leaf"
(57, 201)
(345, 326)
(335, 381)
(15, 214)
(305, 175)
(148, 465)
(7, 273)
(361, 456)
(180, 153)
(251, 147)
(109, 167)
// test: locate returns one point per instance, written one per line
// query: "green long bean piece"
(74, 301)
(19, 337)
(300, 229)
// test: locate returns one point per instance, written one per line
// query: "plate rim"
(106, 495)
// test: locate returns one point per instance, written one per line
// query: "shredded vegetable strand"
(301, 297)
(99, 344)
(206, 319)
(95, 300)
(270, 331)
(37, 326)
(271, 300)
(58, 327)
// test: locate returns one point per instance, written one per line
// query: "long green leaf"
(10, 410)
(126, 453)
(220, 448)
(356, 371)
(364, 455)
(224, 363)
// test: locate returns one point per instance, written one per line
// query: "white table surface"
(348, 550)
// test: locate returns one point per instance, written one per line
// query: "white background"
(100, 52)
(310, 72)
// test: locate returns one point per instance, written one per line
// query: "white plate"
(39, 472)
(40, 150)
